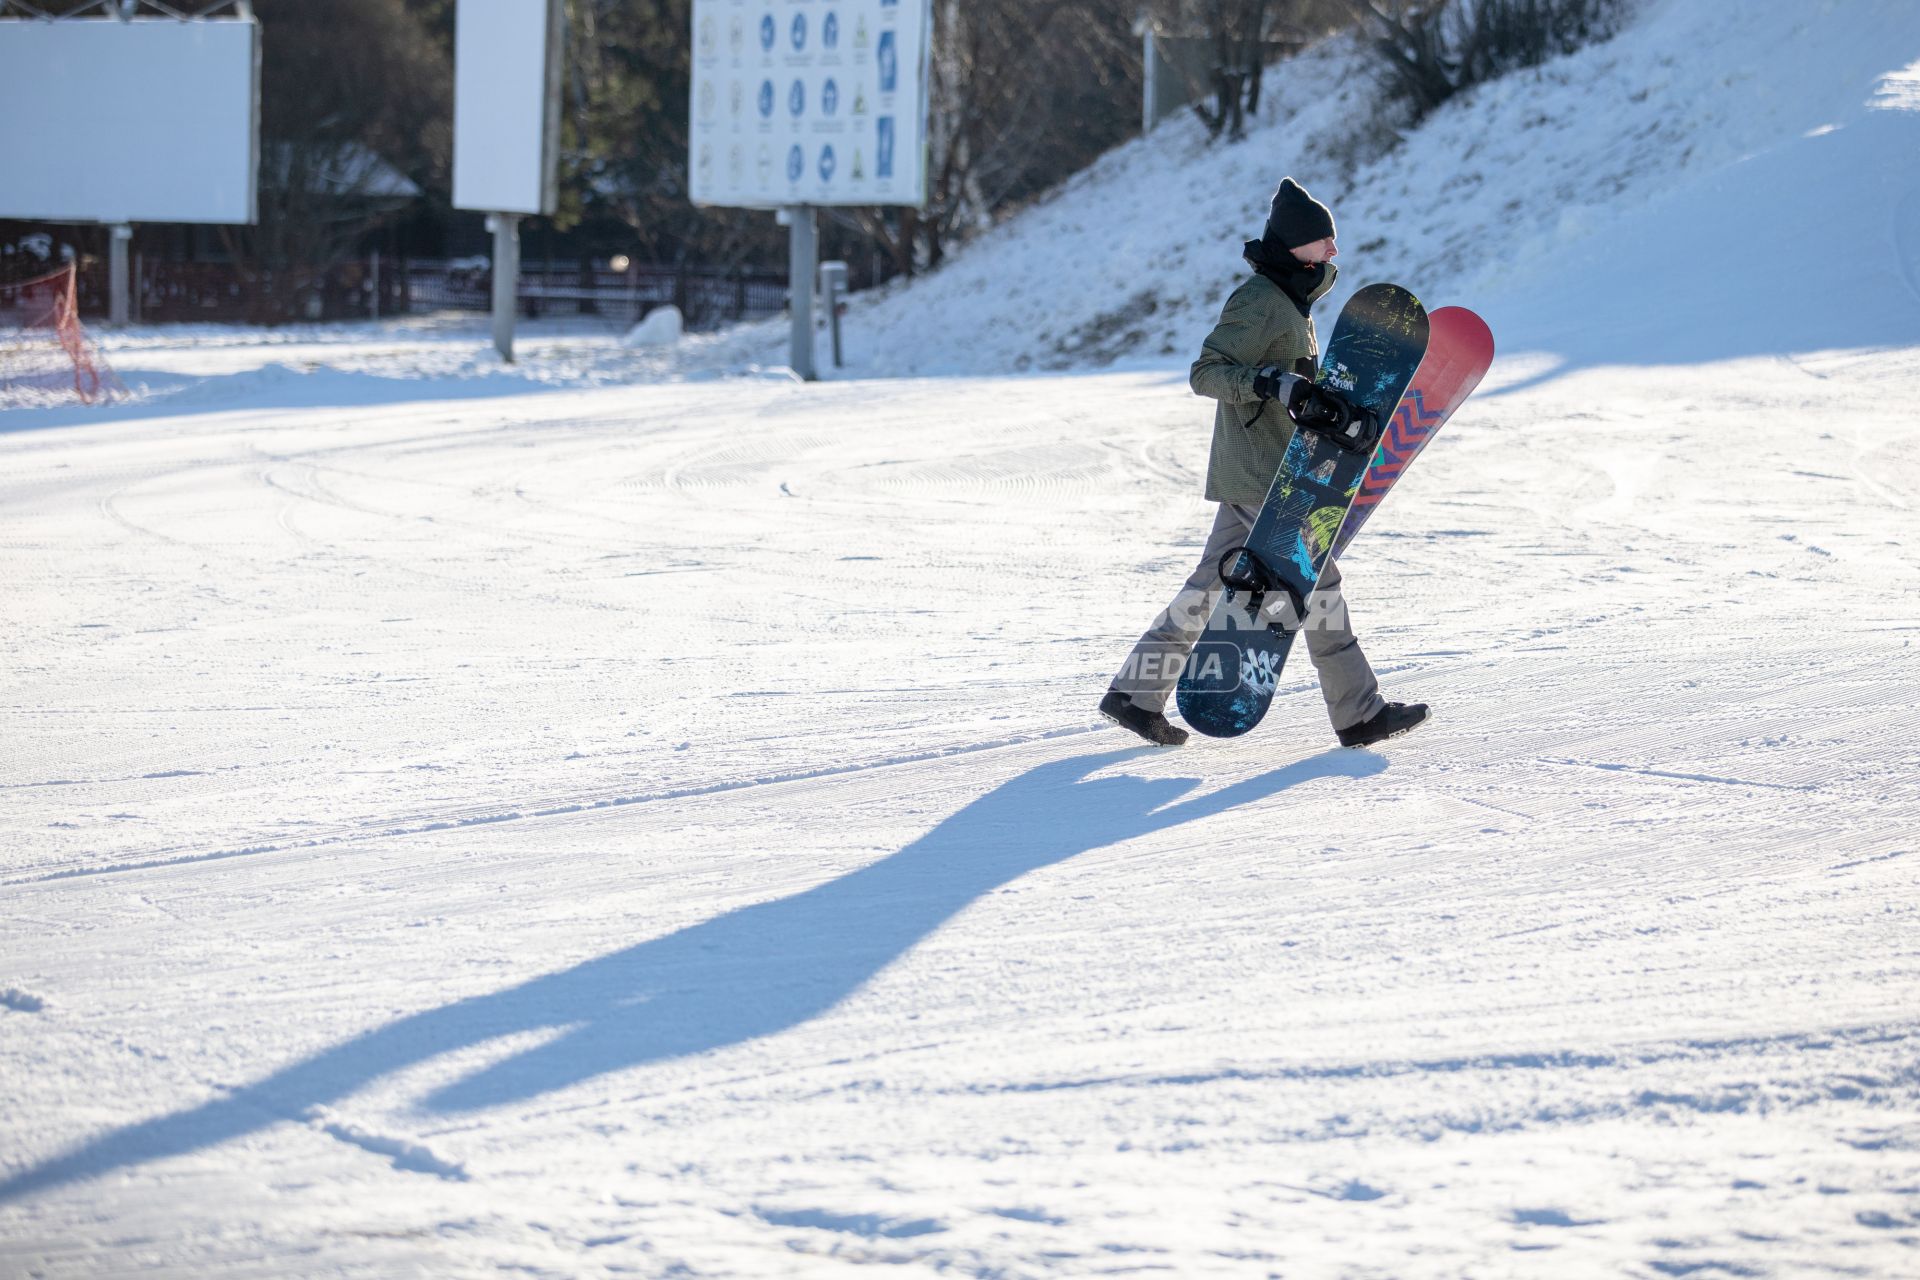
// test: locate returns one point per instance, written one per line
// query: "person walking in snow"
(1259, 364)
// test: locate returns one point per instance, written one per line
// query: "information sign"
(809, 102)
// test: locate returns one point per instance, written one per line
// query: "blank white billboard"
(151, 120)
(506, 105)
(818, 102)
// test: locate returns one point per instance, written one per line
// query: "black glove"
(1274, 383)
(1306, 402)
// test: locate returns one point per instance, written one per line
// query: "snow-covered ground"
(603, 817)
(639, 828)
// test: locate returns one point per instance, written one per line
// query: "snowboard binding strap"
(1357, 431)
(1242, 569)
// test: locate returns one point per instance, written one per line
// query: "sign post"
(506, 128)
(803, 250)
(800, 104)
(506, 278)
(119, 291)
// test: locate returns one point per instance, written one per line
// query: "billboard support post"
(506, 279)
(803, 252)
(119, 309)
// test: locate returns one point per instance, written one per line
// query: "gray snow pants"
(1346, 680)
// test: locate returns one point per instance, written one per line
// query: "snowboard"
(1459, 352)
(1228, 680)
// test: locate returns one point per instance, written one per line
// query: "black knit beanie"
(1296, 218)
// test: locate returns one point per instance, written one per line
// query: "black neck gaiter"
(1300, 281)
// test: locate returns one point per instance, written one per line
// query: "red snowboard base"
(1459, 351)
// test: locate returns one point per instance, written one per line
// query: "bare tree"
(1024, 93)
(355, 123)
(1238, 28)
(1437, 48)
(1241, 37)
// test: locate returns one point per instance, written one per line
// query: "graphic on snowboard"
(1229, 679)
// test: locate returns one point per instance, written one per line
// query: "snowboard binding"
(1353, 427)
(1242, 570)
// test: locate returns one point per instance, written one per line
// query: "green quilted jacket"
(1259, 326)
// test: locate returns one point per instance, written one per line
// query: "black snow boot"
(1151, 725)
(1390, 721)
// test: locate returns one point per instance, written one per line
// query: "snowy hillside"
(603, 818)
(1707, 142)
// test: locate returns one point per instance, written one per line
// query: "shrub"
(1435, 50)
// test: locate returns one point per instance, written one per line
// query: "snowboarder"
(1263, 350)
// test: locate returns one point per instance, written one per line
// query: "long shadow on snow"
(749, 973)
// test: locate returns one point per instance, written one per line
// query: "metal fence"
(707, 297)
(166, 291)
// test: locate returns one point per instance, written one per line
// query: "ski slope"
(607, 818)
(574, 833)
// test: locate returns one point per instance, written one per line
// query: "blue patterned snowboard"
(1229, 679)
